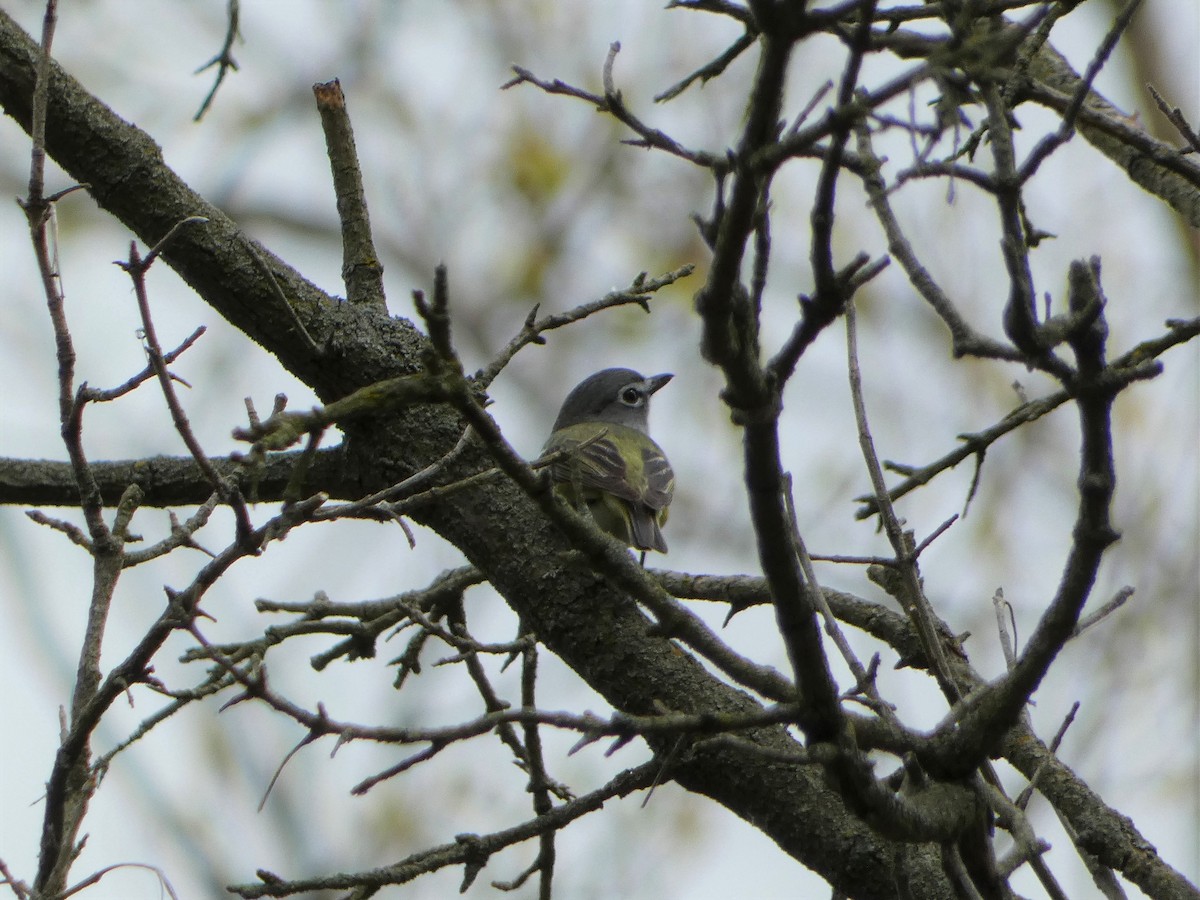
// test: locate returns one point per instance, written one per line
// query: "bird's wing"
(595, 466)
(658, 477)
(598, 465)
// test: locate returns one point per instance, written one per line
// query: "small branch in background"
(406, 489)
(181, 535)
(224, 60)
(136, 268)
(39, 210)
(283, 429)
(163, 882)
(965, 340)
(910, 591)
(436, 314)
(362, 272)
(93, 395)
(710, 69)
(1111, 606)
(592, 728)
(1154, 165)
(1175, 116)
(68, 789)
(638, 293)
(19, 888)
(864, 679)
(540, 785)
(830, 295)
(1006, 627)
(849, 279)
(72, 531)
(366, 622)
(156, 251)
(1026, 794)
(1083, 90)
(300, 745)
(614, 105)
(1020, 313)
(1137, 363)
(1027, 846)
(37, 131)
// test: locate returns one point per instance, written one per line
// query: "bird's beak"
(654, 382)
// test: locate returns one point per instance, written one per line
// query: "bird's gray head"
(614, 396)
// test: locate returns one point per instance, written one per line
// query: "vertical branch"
(41, 99)
(829, 298)
(1020, 312)
(224, 60)
(831, 288)
(39, 211)
(69, 787)
(362, 271)
(1020, 315)
(909, 590)
(731, 340)
(1093, 531)
(730, 335)
(988, 713)
(539, 784)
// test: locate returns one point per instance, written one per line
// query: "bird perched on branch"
(614, 468)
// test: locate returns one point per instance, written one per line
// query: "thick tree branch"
(167, 481)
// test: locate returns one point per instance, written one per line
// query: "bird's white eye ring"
(631, 396)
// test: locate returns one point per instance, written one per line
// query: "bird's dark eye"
(631, 396)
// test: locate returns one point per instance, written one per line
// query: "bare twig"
(1128, 367)
(19, 888)
(912, 596)
(1175, 116)
(1111, 606)
(1008, 637)
(93, 879)
(1023, 798)
(638, 293)
(471, 851)
(710, 69)
(99, 396)
(612, 103)
(136, 268)
(224, 60)
(864, 680)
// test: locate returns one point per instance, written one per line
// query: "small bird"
(618, 472)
